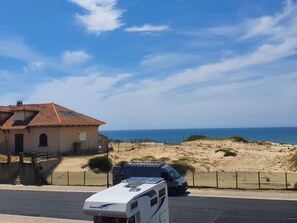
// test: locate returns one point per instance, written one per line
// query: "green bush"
(101, 163)
(182, 168)
(238, 139)
(195, 137)
(227, 152)
(230, 153)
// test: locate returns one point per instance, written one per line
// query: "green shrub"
(195, 137)
(238, 139)
(182, 168)
(227, 152)
(101, 163)
(230, 153)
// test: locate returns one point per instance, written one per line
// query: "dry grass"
(293, 160)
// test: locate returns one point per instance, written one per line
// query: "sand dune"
(202, 154)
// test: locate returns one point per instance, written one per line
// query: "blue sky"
(139, 64)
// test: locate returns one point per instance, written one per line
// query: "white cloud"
(33, 67)
(15, 48)
(272, 25)
(167, 60)
(75, 57)
(147, 28)
(101, 15)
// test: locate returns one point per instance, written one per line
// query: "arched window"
(43, 140)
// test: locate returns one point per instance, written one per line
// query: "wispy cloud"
(75, 57)
(33, 67)
(100, 15)
(161, 61)
(15, 48)
(148, 28)
(275, 26)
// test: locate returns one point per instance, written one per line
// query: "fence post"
(193, 178)
(52, 178)
(84, 178)
(67, 178)
(236, 178)
(286, 179)
(259, 180)
(217, 179)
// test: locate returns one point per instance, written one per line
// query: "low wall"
(29, 173)
(49, 166)
(8, 171)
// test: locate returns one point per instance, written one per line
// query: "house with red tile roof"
(46, 128)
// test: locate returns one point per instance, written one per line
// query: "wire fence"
(221, 180)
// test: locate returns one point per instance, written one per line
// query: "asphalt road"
(187, 209)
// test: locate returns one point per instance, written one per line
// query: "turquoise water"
(281, 135)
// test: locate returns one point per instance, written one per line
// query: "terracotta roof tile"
(49, 114)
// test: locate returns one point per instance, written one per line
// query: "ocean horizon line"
(273, 127)
(272, 134)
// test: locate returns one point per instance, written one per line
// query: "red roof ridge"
(53, 104)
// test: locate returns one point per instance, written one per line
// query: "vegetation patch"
(186, 160)
(121, 163)
(227, 152)
(165, 159)
(149, 158)
(101, 163)
(238, 139)
(293, 161)
(182, 168)
(195, 137)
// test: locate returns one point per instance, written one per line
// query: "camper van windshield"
(174, 174)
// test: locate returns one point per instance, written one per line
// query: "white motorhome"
(135, 200)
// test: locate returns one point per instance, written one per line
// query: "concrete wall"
(28, 174)
(49, 166)
(7, 171)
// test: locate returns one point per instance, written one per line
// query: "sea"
(286, 135)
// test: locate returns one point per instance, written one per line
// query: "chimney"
(19, 102)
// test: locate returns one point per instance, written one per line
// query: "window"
(43, 140)
(162, 192)
(109, 220)
(154, 201)
(82, 136)
(134, 205)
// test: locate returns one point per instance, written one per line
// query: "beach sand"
(202, 154)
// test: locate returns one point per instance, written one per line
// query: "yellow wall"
(60, 139)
